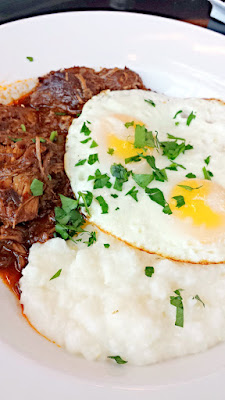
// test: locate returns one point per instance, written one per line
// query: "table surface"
(193, 11)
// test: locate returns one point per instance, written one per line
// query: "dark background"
(193, 11)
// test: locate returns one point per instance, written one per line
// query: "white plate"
(174, 58)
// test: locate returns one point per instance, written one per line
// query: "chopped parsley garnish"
(85, 130)
(157, 196)
(143, 137)
(42, 140)
(30, 59)
(132, 159)
(143, 180)
(117, 208)
(174, 166)
(100, 180)
(133, 193)
(189, 188)
(207, 174)
(60, 113)
(87, 200)
(150, 102)
(196, 297)
(92, 239)
(36, 187)
(93, 158)
(49, 177)
(110, 151)
(207, 160)
(81, 162)
(149, 271)
(177, 123)
(104, 206)
(15, 140)
(118, 359)
(106, 245)
(177, 302)
(128, 124)
(178, 112)
(114, 196)
(180, 201)
(121, 174)
(93, 144)
(23, 127)
(68, 219)
(53, 136)
(175, 137)
(85, 140)
(190, 175)
(190, 118)
(57, 274)
(158, 174)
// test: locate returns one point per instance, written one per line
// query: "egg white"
(142, 223)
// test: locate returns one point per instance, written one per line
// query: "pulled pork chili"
(28, 151)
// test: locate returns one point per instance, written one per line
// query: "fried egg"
(155, 167)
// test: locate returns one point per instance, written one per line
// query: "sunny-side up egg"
(152, 170)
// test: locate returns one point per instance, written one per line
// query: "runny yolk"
(124, 148)
(197, 202)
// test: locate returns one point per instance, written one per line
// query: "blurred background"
(193, 11)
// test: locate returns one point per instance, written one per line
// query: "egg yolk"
(199, 202)
(124, 148)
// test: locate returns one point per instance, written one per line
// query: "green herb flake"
(177, 113)
(143, 180)
(114, 196)
(128, 124)
(173, 166)
(189, 188)
(87, 200)
(36, 187)
(60, 113)
(81, 162)
(207, 160)
(104, 206)
(143, 137)
(190, 118)
(117, 208)
(68, 204)
(207, 174)
(93, 144)
(150, 102)
(133, 193)
(31, 59)
(118, 359)
(53, 136)
(42, 140)
(177, 123)
(100, 180)
(149, 271)
(180, 201)
(177, 302)
(196, 297)
(171, 137)
(85, 140)
(85, 130)
(68, 219)
(15, 140)
(57, 274)
(110, 151)
(92, 239)
(106, 245)
(121, 174)
(93, 158)
(136, 158)
(49, 177)
(157, 196)
(190, 175)
(158, 174)
(23, 127)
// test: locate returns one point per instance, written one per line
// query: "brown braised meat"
(28, 153)
(69, 89)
